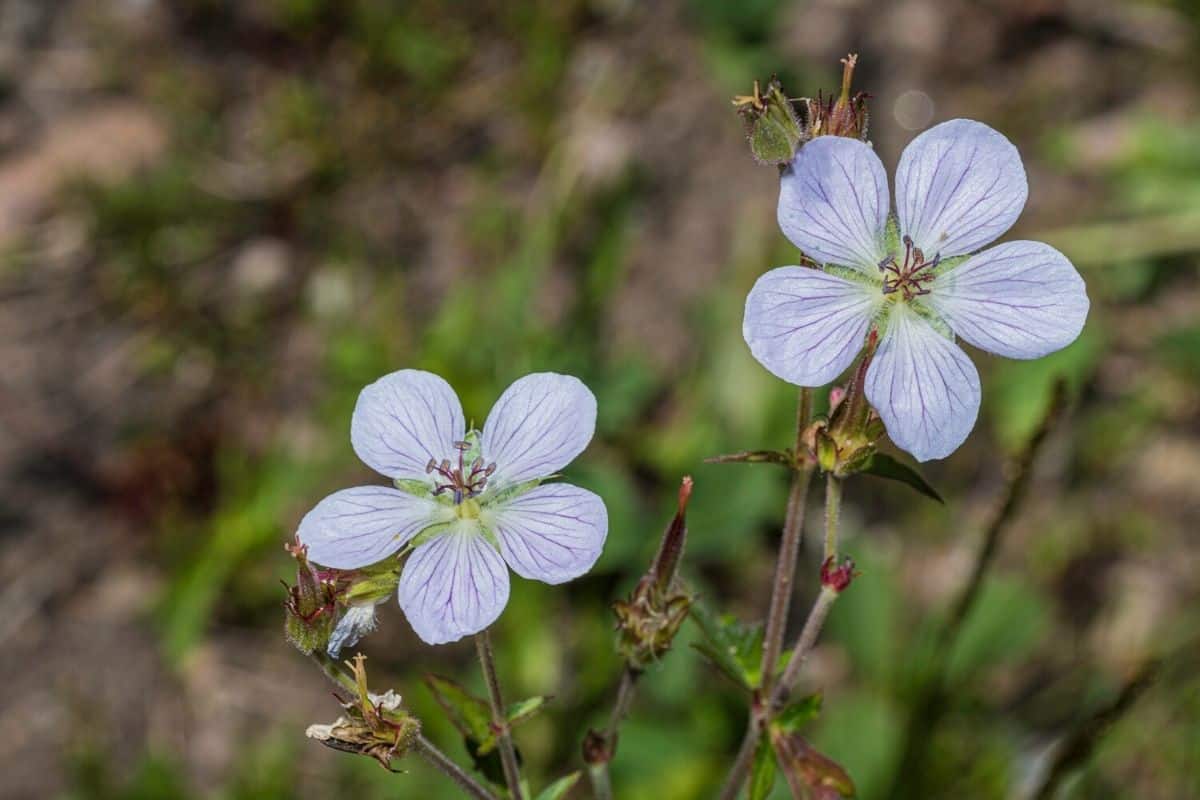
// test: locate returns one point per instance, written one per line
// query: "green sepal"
(881, 465)
(413, 486)
(891, 236)
(510, 492)
(559, 789)
(772, 126)
(425, 535)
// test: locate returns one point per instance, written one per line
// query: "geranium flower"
(959, 186)
(465, 503)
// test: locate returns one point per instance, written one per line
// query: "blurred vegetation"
(354, 187)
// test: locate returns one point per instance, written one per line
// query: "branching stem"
(508, 754)
(776, 698)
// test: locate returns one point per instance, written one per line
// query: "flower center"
(465, 481)
(908, 278)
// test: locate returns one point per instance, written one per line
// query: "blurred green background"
(219, 220)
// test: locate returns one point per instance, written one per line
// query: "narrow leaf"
(734, 647)
(560, 787)
(882, 465)
(524, 709)
(762, 773)
(799, 713)
(469, 714)
(753, 457)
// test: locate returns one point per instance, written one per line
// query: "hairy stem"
(777, 698)
(804, 646)
(833, 514)
(442, 762)
(745, 757)
(598, 771)
(334, 672)
(789, 548)
(508, 754)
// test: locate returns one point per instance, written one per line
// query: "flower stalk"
(647, 623)
(834, 580)
(508, 753)
(789, 545)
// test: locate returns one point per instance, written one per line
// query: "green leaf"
(762, 772)
(468, 713)
(799, 713)
(733, 647)
(560, 787)
(881, 465)
(472, 717)
(525, 709)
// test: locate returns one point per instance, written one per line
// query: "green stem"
(833, 514)
(508, 754)
(442, 762)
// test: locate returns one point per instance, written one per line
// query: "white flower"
(959, 186)
(465, 503)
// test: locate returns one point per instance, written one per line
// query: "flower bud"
(310, 605)
(772, 126)
(649, 619)
(836, 577)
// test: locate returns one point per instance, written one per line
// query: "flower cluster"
(466, 505)
(911, 279)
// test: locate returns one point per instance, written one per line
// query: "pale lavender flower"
(465, 503)
(959, 186)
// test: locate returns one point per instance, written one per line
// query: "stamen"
(909, 277)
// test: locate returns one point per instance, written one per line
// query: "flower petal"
(806, 325)
(356, 623)
(537, 427)
(453, 586)
(833, 202)
(362, 526)
(959, 186)
(404, 419)
(924, 387)
(1018, 299)
(552, 533)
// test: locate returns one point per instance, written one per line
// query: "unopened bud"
(649, 619)
(772, 126)
(836, 577)
(836, 395)
(309, 606)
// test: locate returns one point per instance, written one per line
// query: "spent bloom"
(468, 504)
(911, 279)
